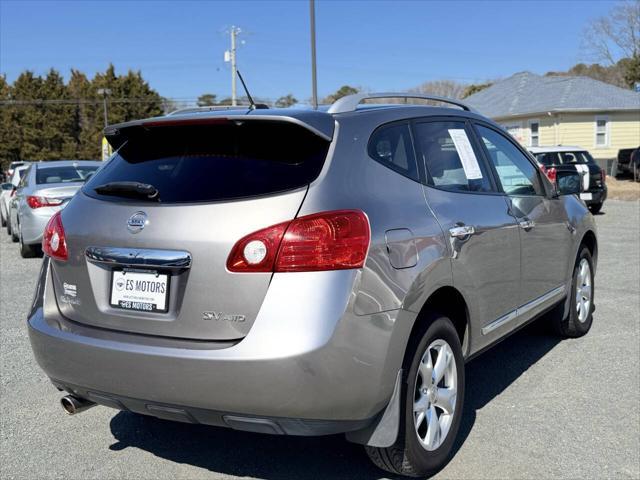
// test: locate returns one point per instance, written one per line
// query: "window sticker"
(465, 151)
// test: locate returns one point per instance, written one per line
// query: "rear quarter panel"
(351, 179)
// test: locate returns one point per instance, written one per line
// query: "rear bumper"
(325, 372)
(597, 196)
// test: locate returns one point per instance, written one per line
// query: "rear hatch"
(157, 266)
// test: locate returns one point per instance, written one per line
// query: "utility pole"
(104, 92)
(234, 33)
(314, 81)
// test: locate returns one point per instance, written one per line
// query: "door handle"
(527, 224)
(462, 231)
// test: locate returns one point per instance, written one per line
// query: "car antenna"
(253, 105)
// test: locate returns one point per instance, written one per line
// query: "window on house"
(602, 131)
(534, 141)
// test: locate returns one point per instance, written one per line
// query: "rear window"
(211, 162)
(64, 174)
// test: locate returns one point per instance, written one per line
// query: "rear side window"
(66, 174)
(391, 146)
(576, 158)
(451, 160)
(216, 161)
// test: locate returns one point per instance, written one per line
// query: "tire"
(595, 207)
(4, 222)
(14, 236)
(580, 317)
(412, 455)
(27, 251)
(8, 226)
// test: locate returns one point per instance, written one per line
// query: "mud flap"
(383, 432)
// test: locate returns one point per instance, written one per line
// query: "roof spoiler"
(317, 123)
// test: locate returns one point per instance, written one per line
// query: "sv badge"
(223, 317)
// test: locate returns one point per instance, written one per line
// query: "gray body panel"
(317, 345)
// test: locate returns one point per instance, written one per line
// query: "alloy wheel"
(435, 393)
(584, 290)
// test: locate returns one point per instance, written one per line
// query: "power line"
(81, 101)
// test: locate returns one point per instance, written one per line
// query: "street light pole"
(104, 92)
(314, 81)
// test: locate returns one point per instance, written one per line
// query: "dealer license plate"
(147, 292)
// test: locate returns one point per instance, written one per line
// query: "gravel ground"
(536, 407)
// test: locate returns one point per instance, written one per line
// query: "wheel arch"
(590, 241)
(448, 301)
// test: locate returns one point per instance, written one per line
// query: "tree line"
(44, 118)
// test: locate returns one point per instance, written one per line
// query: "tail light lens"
(333, 240)
(54, 242)
(604, 175)
(38, 202)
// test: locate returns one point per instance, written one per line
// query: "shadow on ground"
(267, 457)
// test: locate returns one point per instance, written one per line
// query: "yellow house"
(558, 110)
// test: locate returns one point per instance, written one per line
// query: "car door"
(483, 236)
(542, 220)
(17, 199)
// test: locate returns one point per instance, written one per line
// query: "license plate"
(147, 292)
(586, 196)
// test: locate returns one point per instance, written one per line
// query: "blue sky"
(379, 45)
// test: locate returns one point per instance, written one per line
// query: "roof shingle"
(528, 93)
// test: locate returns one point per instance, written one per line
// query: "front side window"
(602, 131)
(391, 146)
(517, 174)
(450, 158)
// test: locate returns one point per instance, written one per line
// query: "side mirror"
(7, 186)
(568, 183)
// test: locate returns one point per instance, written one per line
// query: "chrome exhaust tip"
(73, 404)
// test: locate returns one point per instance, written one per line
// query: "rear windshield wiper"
(130, 190)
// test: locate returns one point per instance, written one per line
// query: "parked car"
(12, 167)
(44, 189)
(625, 164)
(8, 190)
(566, 158)
(308, 272)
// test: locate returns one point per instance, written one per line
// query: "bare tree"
(615, 36)
(442, 88)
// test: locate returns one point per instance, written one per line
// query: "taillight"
(552, 174)
(603, 174)
(333, 240)
(54, 243)
(38, 202)
(257, 252)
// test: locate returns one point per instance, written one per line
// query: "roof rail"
(214, 108)
(349, 103)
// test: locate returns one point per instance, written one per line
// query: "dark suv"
(562, 159)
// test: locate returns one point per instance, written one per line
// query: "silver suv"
(308, 272)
